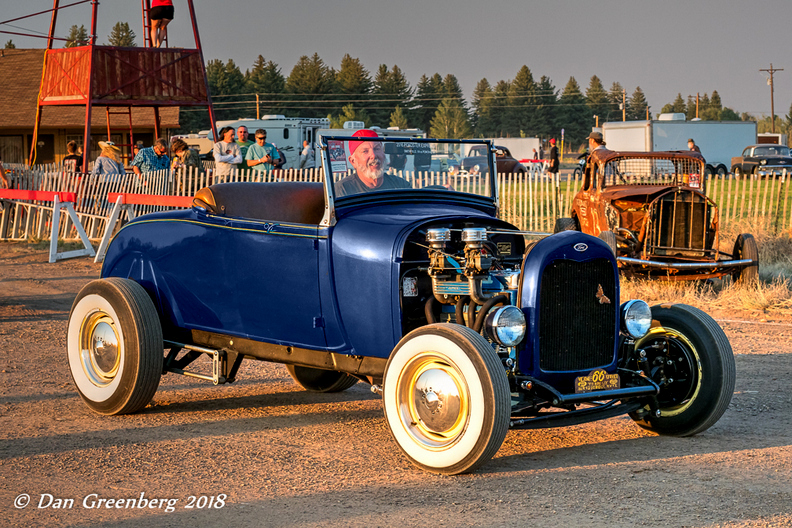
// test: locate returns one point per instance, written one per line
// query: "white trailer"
(287, 133)
(350, 127)
(719, 141)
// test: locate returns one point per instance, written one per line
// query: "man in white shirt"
(226, 153)
(307, 156)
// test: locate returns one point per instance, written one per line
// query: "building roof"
(20, 71)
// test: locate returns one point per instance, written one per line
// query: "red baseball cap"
(364, 132)
(552, 141)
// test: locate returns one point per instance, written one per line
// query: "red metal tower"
(116, 77)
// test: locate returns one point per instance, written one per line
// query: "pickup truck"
(477, 157)
(762, 160)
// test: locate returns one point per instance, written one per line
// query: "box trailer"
(719, 141)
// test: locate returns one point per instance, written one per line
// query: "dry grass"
(772, 295)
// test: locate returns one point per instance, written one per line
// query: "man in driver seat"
(368, 159)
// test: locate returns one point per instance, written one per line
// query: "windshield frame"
(352, 200)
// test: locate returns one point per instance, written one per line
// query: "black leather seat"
(296, 202)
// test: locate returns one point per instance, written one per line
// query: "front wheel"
(691, 359)
(577, 173)
(319, 380)
(446, 398)
(115, 346)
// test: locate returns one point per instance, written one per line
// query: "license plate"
(597, 380)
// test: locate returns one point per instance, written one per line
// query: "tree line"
(519, 107)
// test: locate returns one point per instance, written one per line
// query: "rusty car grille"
(680, 223)
(576, 330)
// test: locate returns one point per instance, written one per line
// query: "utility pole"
(771, 71)
(624, 105)
(697, 104)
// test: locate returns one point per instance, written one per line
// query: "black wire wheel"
(114, 346)
(446, 398)
(691, 359)
(320, 380)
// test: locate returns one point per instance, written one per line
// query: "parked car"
(477, 159)
(763, 160)
(423, 293)
(651, 207)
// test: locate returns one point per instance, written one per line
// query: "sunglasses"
(261, 137)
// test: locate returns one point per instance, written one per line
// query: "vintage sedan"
(410, 286)
(763, 160)
(476, 161)
(652, 208)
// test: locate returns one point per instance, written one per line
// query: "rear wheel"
(721, 170)
(565, 224)
(115, 347)
(745, 248)
(691, 359)
(446, 398)
(319, 380)
(738, 172)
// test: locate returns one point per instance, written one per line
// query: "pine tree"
(690, 108)
(398, 119)
(78, 36)
(122, 36)
(500, 110)
(427, 99)
(266, 80)
(349, 113)
(10, 45)
(546, 109)
(713, 110)
(615, 96)
(226, 83)
(677, 107)
(353, 80)
(312, 80)
(450, 121)
(637, 106)
(391, 89)
(520, 117)
(597, 99)
(481, 120)
(572, 114)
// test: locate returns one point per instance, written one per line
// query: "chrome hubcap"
(434, 400)
(99, 349)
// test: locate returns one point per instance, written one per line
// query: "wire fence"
(531, 201)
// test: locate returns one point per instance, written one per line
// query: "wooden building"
(20, 85)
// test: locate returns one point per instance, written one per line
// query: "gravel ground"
(263, 452)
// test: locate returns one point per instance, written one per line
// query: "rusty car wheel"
(320, 380)
(691, 359)
(115, 347)
(446, 398)
(745, 248)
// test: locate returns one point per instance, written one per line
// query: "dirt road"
(262, 452)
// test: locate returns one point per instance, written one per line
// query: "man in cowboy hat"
(368, 160)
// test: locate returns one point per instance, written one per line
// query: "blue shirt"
(257, 151)
(148, 161)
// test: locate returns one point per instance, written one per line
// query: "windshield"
(651, 171)
(776, 150)
(370, 165)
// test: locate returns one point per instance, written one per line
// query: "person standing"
(554, 164)
(153, 158)
(307, 156)
(160, 15)
(692, 146)
(244, 144)
(183, 156)
(109, 160)
(261, 156)
(73, 161)
(226, 153)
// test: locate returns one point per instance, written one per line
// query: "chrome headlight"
(506, 325)
(636, 318)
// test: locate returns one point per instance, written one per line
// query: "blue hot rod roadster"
(404, 279)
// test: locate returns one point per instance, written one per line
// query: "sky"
(664, 46)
